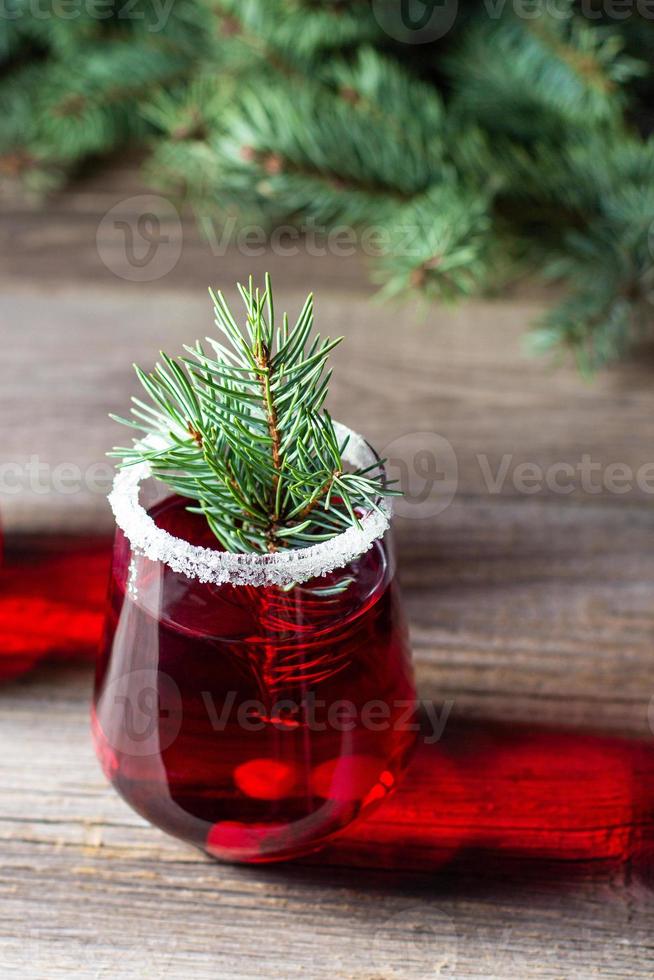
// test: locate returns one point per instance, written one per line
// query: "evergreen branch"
(242, 432)
(510, 144)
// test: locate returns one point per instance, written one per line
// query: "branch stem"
(263, 363)
(322, 493)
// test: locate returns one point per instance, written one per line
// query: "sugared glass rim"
(283, 568)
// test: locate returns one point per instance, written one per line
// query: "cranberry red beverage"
(254, 722)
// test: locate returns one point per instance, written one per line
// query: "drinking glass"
(252, 705)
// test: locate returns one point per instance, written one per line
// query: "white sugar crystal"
(280, 568)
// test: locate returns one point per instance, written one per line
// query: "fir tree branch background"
(242, 430)
(507, 146)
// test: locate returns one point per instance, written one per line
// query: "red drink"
(254, 722)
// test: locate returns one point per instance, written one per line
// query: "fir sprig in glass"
(239, 427)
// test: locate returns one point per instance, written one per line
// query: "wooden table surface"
(520, 845)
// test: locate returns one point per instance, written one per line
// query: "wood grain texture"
(527, 609)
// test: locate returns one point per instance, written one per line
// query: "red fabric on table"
(498, 799)
(52, 602)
